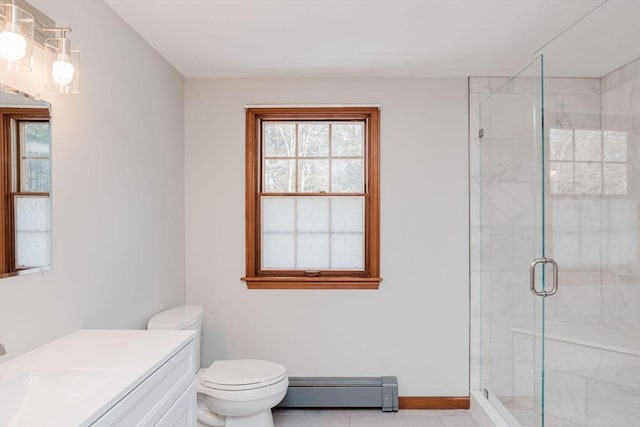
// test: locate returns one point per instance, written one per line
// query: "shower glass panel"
(592, 121)
(507, 217)
(568, 191)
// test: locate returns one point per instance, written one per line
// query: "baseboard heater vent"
(342, 392)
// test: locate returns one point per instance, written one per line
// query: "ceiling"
(360, 38)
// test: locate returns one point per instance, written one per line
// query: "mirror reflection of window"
(31, 203)
(25, 189)
(588, 162)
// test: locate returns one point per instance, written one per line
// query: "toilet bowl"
(240, 393)
(230, 393)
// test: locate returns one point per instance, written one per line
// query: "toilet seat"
(242, 374)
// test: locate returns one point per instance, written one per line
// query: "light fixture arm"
(61, 40)
(61, 30)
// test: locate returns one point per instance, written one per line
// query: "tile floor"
(371, 418)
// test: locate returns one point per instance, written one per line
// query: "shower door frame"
(530, 81)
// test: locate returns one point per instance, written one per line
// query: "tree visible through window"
(312, 198)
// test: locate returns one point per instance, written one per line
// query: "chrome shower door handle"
(532, 277)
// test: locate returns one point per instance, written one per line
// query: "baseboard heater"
(342, 392)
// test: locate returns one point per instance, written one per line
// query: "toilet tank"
(185, 317)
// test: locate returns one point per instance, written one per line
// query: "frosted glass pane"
(561, 144)
(36, 175)
(347, 176)
(313, 140)
(279, 176)
(278, 251)
(33, 249)
(561, 177)
(279, 139)
(33, 214)
(588, 145)
(299, 233)
(615, 178)
(588, 179)
(278, 214)
(314, 176)
(347, 139)
(313, 214)
(347, 214)
(615, 146)
(313, 251)
(347, 251)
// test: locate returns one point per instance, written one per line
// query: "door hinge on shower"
(481, 133)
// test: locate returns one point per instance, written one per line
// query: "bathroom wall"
(118, 188)
(416, 325)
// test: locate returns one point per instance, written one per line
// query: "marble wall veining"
(586, 384)
(621, 215)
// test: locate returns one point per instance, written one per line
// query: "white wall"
(416, 325)
(118, 188)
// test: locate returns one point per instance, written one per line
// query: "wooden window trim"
(368, 279)
(7, 224)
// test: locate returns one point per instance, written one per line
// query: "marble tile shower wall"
(574, 204)
(505, 197)
(586, 385)
(621, 214)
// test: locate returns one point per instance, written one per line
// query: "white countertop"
(74, 380)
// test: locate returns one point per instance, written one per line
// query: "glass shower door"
(508, 221)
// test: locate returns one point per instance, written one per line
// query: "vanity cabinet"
(167, 397)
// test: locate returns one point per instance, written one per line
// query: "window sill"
(312, 282)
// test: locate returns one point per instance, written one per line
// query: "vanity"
(102, 378)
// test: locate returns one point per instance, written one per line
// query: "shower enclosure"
(555, 232)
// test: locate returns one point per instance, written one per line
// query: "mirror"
(25, 183)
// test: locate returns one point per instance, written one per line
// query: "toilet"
(231, 393)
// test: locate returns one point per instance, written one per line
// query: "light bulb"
(13, 45)
(62, 71)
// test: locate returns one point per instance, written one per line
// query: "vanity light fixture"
(61, 63)
(16, 37)
(22, 25)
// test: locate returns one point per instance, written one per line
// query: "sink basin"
(12, 396)
(36, 398)
(76, 380)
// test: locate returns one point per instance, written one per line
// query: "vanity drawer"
(184, 412)
(145, 405)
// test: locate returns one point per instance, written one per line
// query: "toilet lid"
(242, 374)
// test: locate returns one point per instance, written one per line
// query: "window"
(25, 183)
(588, 162)
(312, 198)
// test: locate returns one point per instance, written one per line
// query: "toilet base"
(261, 419)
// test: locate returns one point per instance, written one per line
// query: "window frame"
(369, 278)
(10, 176)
